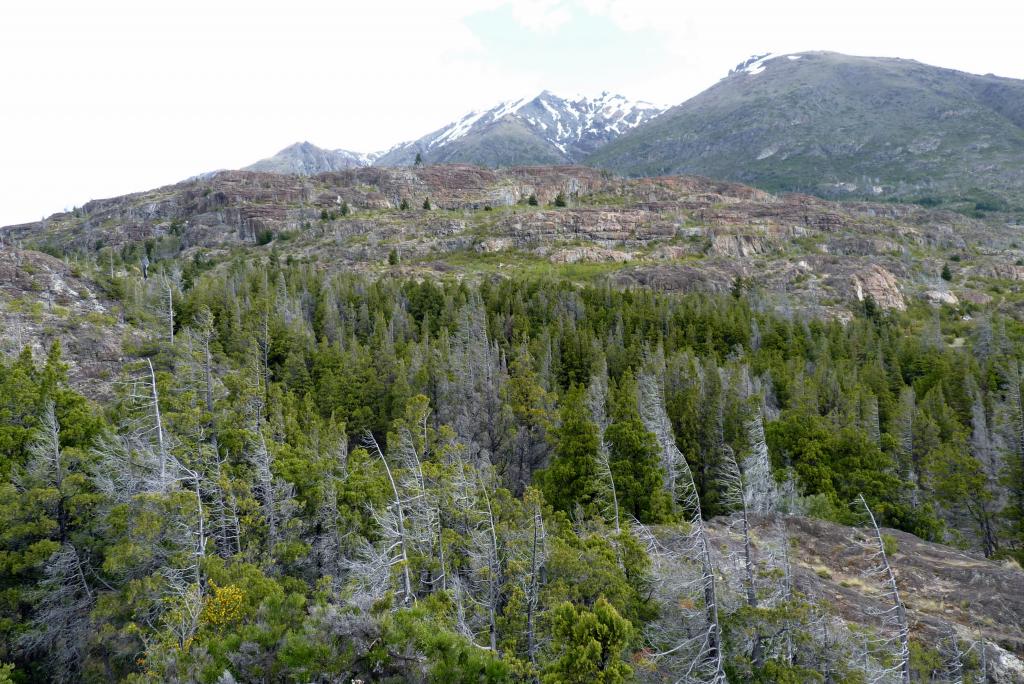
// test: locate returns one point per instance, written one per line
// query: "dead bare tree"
(538, 560)
(481, 582)
(896, 630)
(274, 494)
(60, 627)
(327, 547)
(692, 646)
(905, 420)
(471, 398)
(168, 284)
(373, 565)
(597, 399)
(984, 508)
(139, 459)
(953, 656)
(226, 527)
(46, 466)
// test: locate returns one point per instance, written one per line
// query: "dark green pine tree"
(588, 645)
(571, 477)
(634, 458)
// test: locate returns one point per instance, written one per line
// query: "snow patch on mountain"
(756, 64)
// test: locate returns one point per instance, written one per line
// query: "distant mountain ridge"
(546, 129)
(306, 159)
(843, 127)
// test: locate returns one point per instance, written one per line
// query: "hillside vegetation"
(336, 437)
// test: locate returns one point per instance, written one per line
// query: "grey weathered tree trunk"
(897, 614)
(407, 596)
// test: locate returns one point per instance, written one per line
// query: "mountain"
(546, 129)
(841, 126)
(306, 159)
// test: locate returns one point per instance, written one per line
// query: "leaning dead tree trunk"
(703, 658)
(399, 529)
(537, 555)
(147, 426)
(737, 498)
(894, 617)
(953, 656)
(494, 574)
(167, 286)
(161, 446)
(750, 491)
(597, 398)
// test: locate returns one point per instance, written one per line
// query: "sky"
(104, 97)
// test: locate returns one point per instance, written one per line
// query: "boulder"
(881, 285)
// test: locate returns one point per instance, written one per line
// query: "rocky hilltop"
(673, 233)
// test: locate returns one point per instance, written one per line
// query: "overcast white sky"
(104, 97)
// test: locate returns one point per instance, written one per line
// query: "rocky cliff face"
(678, 232)
(43, 301)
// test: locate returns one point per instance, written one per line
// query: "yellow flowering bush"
(224, 605)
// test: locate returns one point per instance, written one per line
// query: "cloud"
(541, 15)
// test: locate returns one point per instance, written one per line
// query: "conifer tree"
(571, 479)
(634, 458)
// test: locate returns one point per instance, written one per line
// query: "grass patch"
(522, 264)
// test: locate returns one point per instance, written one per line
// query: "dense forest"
(317, 477)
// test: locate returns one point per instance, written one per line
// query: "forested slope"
(316, 476)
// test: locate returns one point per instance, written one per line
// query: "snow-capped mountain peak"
(547, 128)
(568, 127)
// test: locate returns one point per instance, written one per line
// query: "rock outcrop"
(43, 301)
(881, 285)
(943, 588)
(679, 233)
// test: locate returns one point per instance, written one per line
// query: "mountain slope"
(841, 126)
(547, 129)
(306, 159)
(669, 233)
